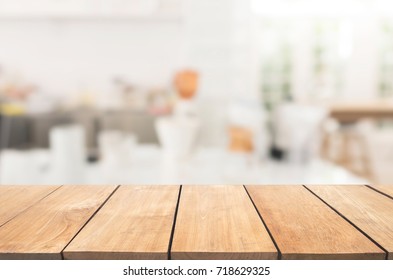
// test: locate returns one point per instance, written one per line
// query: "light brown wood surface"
(44, 230)
(16, 199)
(365, 208)
(305, 228)
(213, 222)
(136, 223)
(219, 222)
(386, 189)
(351, 112)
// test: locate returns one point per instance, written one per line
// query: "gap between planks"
(307, 249)
(215, 198)
(350, 222)
(136, 223)
(43, 230)
(380, 191)
(92, 216)
(279, 255)
(33, 204)
(174, 224)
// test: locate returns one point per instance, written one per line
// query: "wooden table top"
(351, 112)
(196, 222)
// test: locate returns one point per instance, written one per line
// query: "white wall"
(212, 36)
(215, 37)
(359, 69)
(362, 67)
(64, 56)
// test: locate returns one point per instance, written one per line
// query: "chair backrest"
(297, 128)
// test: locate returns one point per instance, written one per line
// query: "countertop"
(196, 222)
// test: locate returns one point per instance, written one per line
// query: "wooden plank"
(43, 230)
(219, 222)
(386, 189)
(305, 228)
(24, 196)
(368, 210)
(136, 223)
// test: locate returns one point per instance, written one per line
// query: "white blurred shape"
(24, 167)
(116, 147)
(316, 8)
(298, 130)
(250, 115)
(379, 143)
(345, 41)
(177, 136)
(67, 144)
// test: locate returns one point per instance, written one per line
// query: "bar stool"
(351, 151)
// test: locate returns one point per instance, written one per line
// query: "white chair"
(298, 130)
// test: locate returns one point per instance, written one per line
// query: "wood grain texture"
(219, 222)
(386, 189)
(368, 210)
(16, 199)
(136, 223)
(305, 228)
(43, 230)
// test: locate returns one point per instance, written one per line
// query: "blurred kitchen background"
(196, 91)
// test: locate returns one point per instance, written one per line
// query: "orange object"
(241, 139)
(186, 83)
